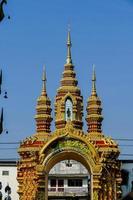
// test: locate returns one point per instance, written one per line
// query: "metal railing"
(69, 191)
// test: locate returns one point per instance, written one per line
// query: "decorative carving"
(70, 143)
(95, 195)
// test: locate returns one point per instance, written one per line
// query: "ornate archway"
(69, 146)
(69, 143)
(40, 152)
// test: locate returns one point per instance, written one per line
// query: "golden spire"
(94, 81)
(94, 111)
(69, 44)
(43, 116)
(68, 90)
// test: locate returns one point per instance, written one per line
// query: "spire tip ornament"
(69, 45)
(69, 27)
(94, 73)
(94, 81)
(44, 78)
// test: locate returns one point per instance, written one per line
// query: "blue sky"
(101, 32)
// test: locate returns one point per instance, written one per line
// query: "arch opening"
(68, 176)
(69, 179)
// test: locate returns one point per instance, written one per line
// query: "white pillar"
(91, 184)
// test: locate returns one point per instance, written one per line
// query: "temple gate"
(41, 151)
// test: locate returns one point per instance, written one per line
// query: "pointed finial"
(69, 44)
(93, 81)
(69, 26)
(44, 79)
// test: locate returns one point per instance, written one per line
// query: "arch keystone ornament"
(41, 151)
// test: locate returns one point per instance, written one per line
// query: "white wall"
(9, 179)
(61, 168)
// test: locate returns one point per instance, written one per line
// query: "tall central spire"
(69, 44)
(68, 102)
